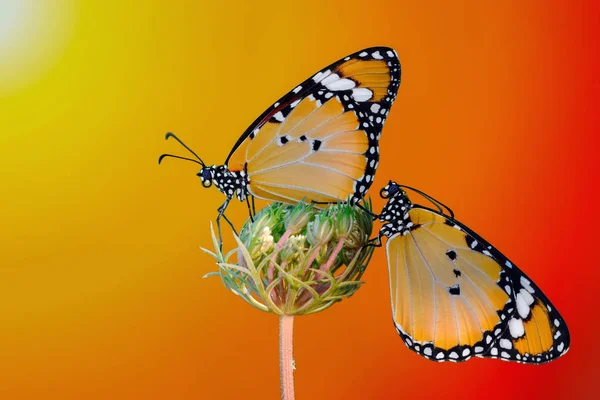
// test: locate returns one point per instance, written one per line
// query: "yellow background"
(101, 295)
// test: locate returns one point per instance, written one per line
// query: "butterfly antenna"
(437, 203)
(169, 134)
(181, 158)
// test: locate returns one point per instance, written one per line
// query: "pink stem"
(286, 357)
(281, 293)
(336, 250)
(278, 246)
(311, 259)
(270, 272)
(282, 239)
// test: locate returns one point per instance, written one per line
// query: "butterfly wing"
(447, 299)
(455, 296)
(320, 141)
(536, 332)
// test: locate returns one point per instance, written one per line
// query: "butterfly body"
(455, 296)
(230, 183)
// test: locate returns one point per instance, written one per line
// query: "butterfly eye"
(206, 177)
(392, 188)
(388, 191)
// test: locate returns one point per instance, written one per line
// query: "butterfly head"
(391, 189)
(207, 174)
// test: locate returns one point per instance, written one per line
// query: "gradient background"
(101, 295)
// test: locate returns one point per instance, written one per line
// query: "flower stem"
(336, 250)
(334, 253)
(286, 358)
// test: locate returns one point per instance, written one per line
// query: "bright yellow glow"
(33, 35)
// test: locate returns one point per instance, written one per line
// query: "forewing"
(320, 142)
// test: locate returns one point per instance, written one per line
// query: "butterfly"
(455, 296)
(319, 143)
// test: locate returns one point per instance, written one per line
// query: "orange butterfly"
(454, 296)
(318, 143)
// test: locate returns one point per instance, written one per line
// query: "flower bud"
(320, 229)
(296, 259)
(343, 222)
(298, 216)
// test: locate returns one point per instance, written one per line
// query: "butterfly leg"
(221, 211)
(375, 242)
(365, 209)
(250, 212)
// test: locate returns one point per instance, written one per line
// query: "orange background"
(101, 295)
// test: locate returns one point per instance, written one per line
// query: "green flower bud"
(296, 259)
(343, 222)
(299, 216)
(320, 229)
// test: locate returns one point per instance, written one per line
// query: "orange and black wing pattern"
(536, 332)
(320, 142)
(455, 296)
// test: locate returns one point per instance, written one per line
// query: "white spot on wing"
(299, 88)
(362, 94)
(377, 56)
(516, 328)
(341, 84)
(279, 116)
(522, 306)
(526, 284)
(528, 298)
(330, 79)
(321, 75)
(375, 107)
